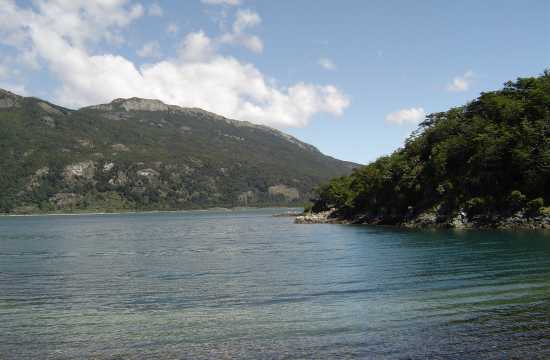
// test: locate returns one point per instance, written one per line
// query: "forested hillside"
(483, 162)
(142, 154)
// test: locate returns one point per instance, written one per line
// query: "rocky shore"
(519, 220)
(324, 217)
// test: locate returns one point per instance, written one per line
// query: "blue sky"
(350, 77)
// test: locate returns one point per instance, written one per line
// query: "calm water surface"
(244, 284)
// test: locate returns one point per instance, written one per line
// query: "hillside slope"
(484, 164)
(144, 154)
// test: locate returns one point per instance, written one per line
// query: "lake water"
(244, 284)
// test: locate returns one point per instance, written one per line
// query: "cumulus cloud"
(461, 83)
(77, 21)
(197, 47)
(326, 64)
(411, 116)
(155, 10)
(244, 19)
(199, 76)
(222, 2)
(150, 50)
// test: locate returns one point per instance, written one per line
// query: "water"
(244, 284)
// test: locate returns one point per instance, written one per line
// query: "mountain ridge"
(143, 104)
(143, 154)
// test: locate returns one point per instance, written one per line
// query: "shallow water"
(244, 284)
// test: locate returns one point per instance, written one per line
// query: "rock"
(82, 170)
(8, 100)
(85, 143)
(108, 166)
(48, 121)
(6, 103)
(238, 138)
(293, 214)
(459, 221)
(120, 179)
(324, 217)
(135, 104)
(184, 129)
(425, 219)
(144, 105)
(64, 200)
(289, 193)
(120, 147)
(148, 173)
(42, 171)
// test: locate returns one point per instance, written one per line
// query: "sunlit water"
(244, 284)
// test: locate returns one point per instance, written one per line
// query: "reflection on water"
(245, 284)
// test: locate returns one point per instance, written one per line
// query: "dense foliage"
(109, 157)
(489, 157)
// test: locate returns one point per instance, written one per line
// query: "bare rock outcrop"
(82, 170)
(289, 193)
(324, 217)
(9, 99)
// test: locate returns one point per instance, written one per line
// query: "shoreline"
(515, 222)
(122, 212)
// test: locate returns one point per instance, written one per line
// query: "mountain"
(144, 154)
(485, 164)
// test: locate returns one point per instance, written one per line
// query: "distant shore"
(122, 211)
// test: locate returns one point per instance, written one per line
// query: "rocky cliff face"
(144, 154)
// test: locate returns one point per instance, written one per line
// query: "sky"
(352, 77)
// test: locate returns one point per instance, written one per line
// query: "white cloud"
(461, 83)
(326, 64)
(197, 47)
(406, 116)
(155, 10)
(199, 76)
(222, 2)
(172, 28)
(251, 42)
(244, 19)
(78, 21)
(150, 50)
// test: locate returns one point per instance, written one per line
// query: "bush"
(476, 206)
(516, 200)
(535, 206)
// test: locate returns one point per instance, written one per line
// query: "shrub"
(534, 206)
(476, 206)
(516, 200)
